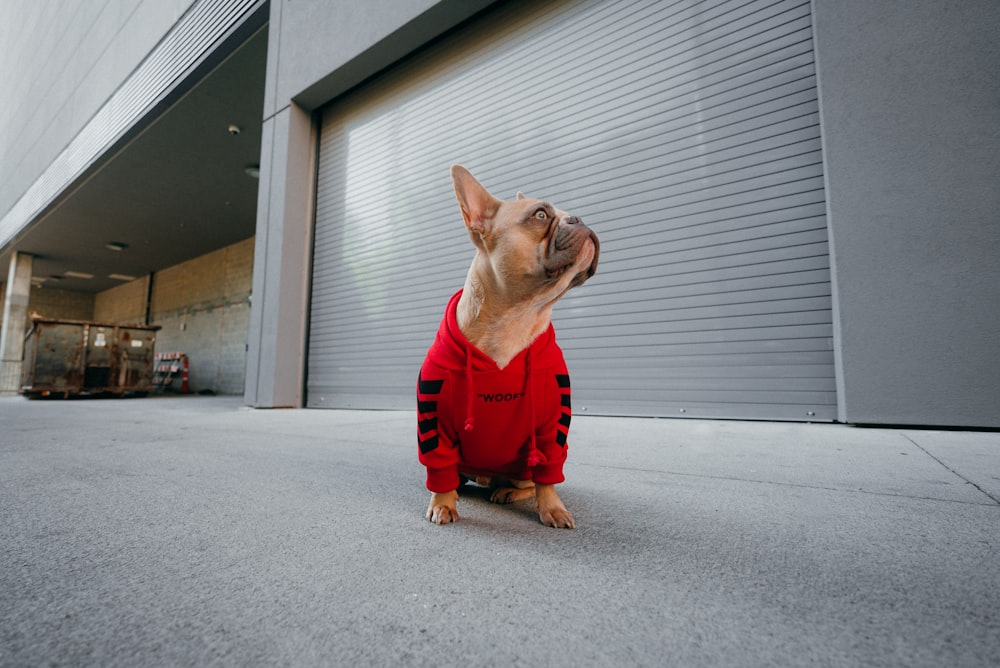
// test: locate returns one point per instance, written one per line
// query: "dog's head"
(527, 247)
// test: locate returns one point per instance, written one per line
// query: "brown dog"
(493, 395)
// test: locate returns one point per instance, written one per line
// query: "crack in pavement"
(992, 498)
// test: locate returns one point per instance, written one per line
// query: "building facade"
(796, 200)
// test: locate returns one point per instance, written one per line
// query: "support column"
(15, 322)
(276, 341)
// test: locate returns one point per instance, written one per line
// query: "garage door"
(685, 133)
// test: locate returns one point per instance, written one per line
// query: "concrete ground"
(192, 531)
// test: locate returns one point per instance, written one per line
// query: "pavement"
(193, 531)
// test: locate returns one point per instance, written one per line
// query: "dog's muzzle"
(565, 247)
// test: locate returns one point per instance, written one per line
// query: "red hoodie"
(480, 420)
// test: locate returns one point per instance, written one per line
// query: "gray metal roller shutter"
(685, 133)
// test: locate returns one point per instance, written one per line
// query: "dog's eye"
(541, 215)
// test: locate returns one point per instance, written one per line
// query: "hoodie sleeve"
(438, 453)
(552, 435)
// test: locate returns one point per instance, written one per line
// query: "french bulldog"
(493, 395)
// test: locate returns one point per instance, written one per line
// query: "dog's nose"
(573, 220)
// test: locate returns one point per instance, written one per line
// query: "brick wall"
(124, 304)
(61, 304)
(203, 307)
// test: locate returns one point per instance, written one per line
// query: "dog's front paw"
(443, 508)
(551, 510)
(559, 518)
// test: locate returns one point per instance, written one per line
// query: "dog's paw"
(443, 508)
(512, 494)
(551, 510)
(442, 515)
(559, 518)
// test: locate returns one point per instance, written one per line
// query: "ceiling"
(177, 191)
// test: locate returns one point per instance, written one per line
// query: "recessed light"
(121, 277)
(76, 274)
(115, 246)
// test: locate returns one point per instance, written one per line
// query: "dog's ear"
(477, 204)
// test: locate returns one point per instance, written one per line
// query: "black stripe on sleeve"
(429, 386)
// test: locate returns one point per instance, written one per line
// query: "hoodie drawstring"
(470, 422)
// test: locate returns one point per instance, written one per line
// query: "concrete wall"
(910, 110)
(323, 47)
(50, 93)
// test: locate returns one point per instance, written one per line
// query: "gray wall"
(50, 94)
(320, 48)
(910, 109)
(316, 50)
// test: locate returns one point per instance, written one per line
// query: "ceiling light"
(121, 277)
(253, 171)
(115, 246)
(76, 274)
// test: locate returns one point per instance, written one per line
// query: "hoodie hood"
(452, 351)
